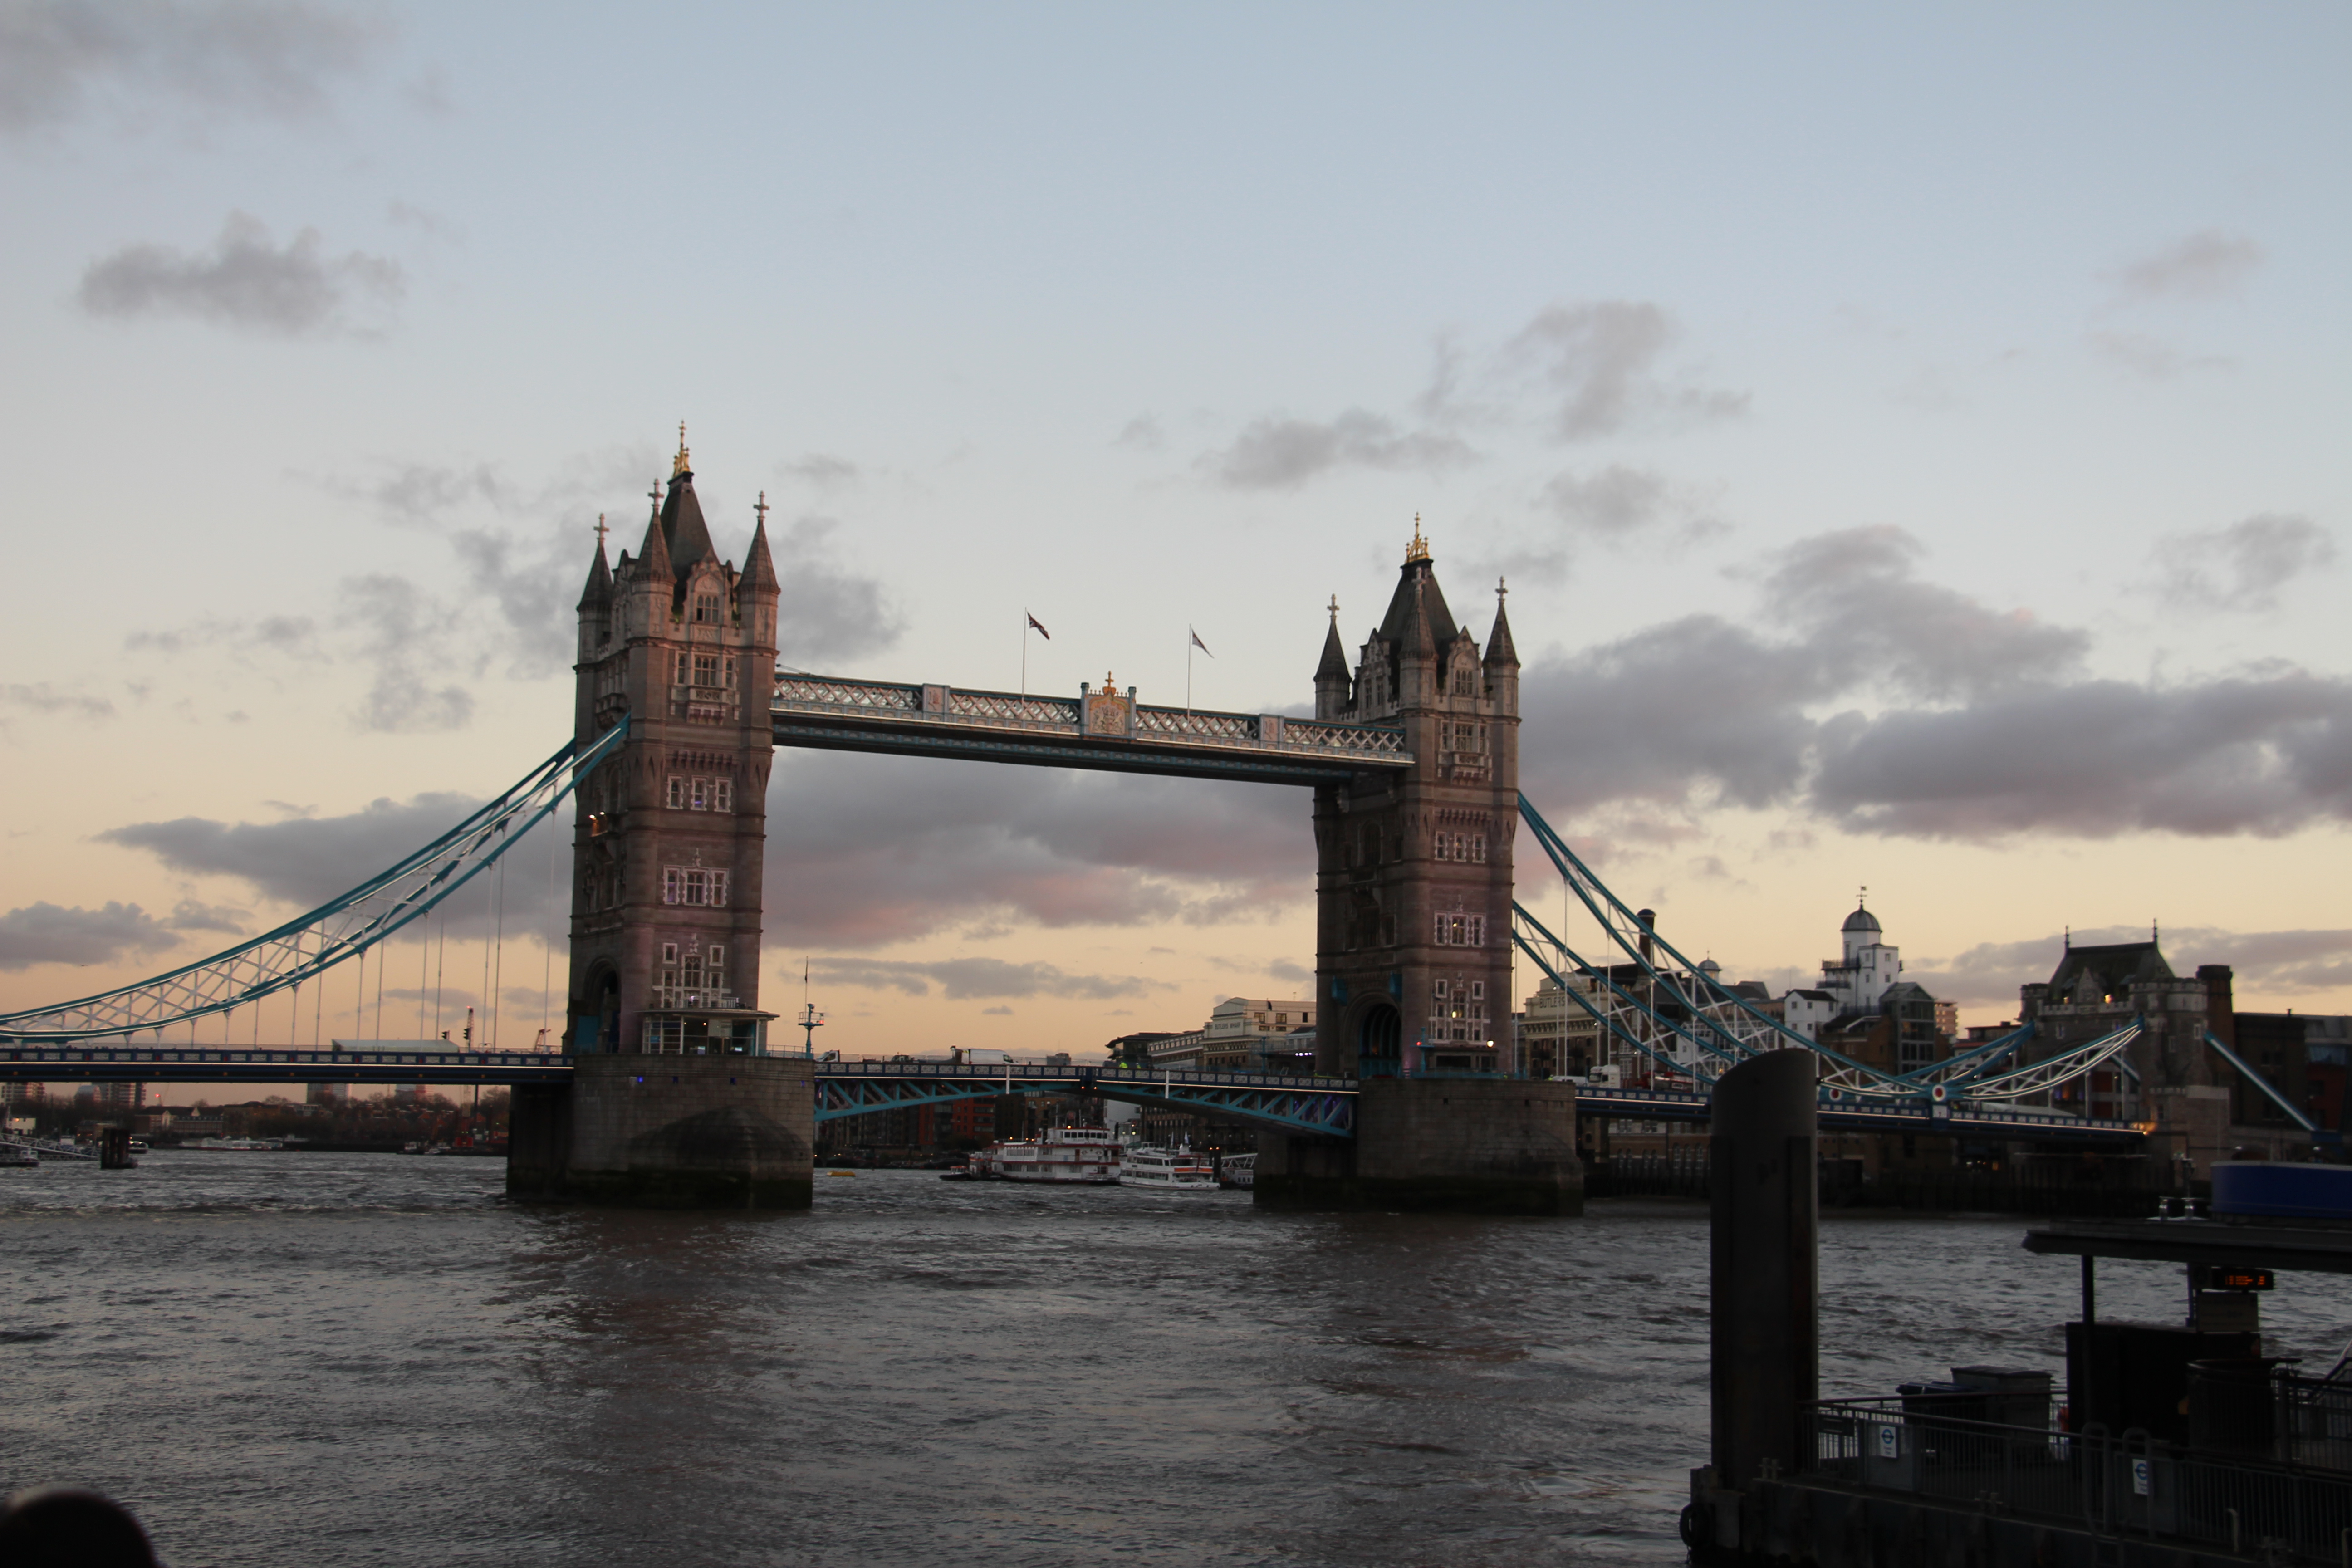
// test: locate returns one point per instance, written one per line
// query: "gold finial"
(1502, 589)
(684, 465)
(1335, 609)
(600, 531)
(1419, 549)
(761, 506)
(1109, 684)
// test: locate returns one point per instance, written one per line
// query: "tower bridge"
(664, 1091)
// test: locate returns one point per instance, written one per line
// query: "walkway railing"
(1104, 729)
(2117, 1485)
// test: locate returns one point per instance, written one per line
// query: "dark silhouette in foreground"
(65, 1527)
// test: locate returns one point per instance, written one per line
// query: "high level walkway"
(1103, 731)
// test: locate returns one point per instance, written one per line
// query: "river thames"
(339, 1359)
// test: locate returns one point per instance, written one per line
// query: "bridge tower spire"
(667, 853)
(1412, 963)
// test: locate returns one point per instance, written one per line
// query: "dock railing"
(2119, 1485)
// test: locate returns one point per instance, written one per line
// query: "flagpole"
(1188, 672)
(1025, 655)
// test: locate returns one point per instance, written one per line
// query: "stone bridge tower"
(672, 1102)
(1412, 967)
(1414, 870)
(667, 854)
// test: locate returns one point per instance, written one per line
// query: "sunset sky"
(1915, 442)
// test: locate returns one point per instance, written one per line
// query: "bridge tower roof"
(1418, 581)
(683, 530)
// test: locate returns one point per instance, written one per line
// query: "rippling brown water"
(366, 1359)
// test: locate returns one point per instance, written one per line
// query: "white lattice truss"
(1687, 1023)
(346, 926)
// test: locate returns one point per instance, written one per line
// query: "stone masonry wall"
(686, 1131)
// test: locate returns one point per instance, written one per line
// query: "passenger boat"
(1062, 1154)
(1172, 1170)
(18, 1156)
(1237, 1171)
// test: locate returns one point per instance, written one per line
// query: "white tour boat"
(1237, 1171)
(1061, 1154)
(1175, 1170)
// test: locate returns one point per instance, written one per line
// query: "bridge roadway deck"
(1297, 1103)
(276, 1064)
(859, 1088)
(1104, 731)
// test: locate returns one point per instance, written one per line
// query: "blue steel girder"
(1324, 1106)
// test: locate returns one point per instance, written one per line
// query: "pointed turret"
(1500, 650)
(653, 556)
(759, 567)
(599, 591)
(1331, 679)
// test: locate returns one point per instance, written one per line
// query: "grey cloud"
(1868, 612)
(48, 934)
(1141, 434)
(246, 282)
(2244, 565)
(1610, 504)
(1599, 360)
(2266, 754)
(826, 611)
(189, 915)
(402, 632)
(1614, 506)
(305, 861)
(881, 849)
(823, 471)
(1705, 703)
(1697, 703)
(270, 58)
(2001, 735)
(1295, 973)
(1283, 454)
(969, 978)
(2150, 358)
(2263, 963)
(998, 1011)
(43, 698)
(293, 635)
(424, 491)
(2206, 264)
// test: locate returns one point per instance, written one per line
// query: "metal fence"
(2125, 1485)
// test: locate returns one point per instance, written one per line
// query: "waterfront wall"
(668, 1132)
(1464, 1146)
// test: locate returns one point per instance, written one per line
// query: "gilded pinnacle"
(1419, 549)
(684, 464)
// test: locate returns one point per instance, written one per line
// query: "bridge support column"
(1462, 1146)
(668, 1132)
